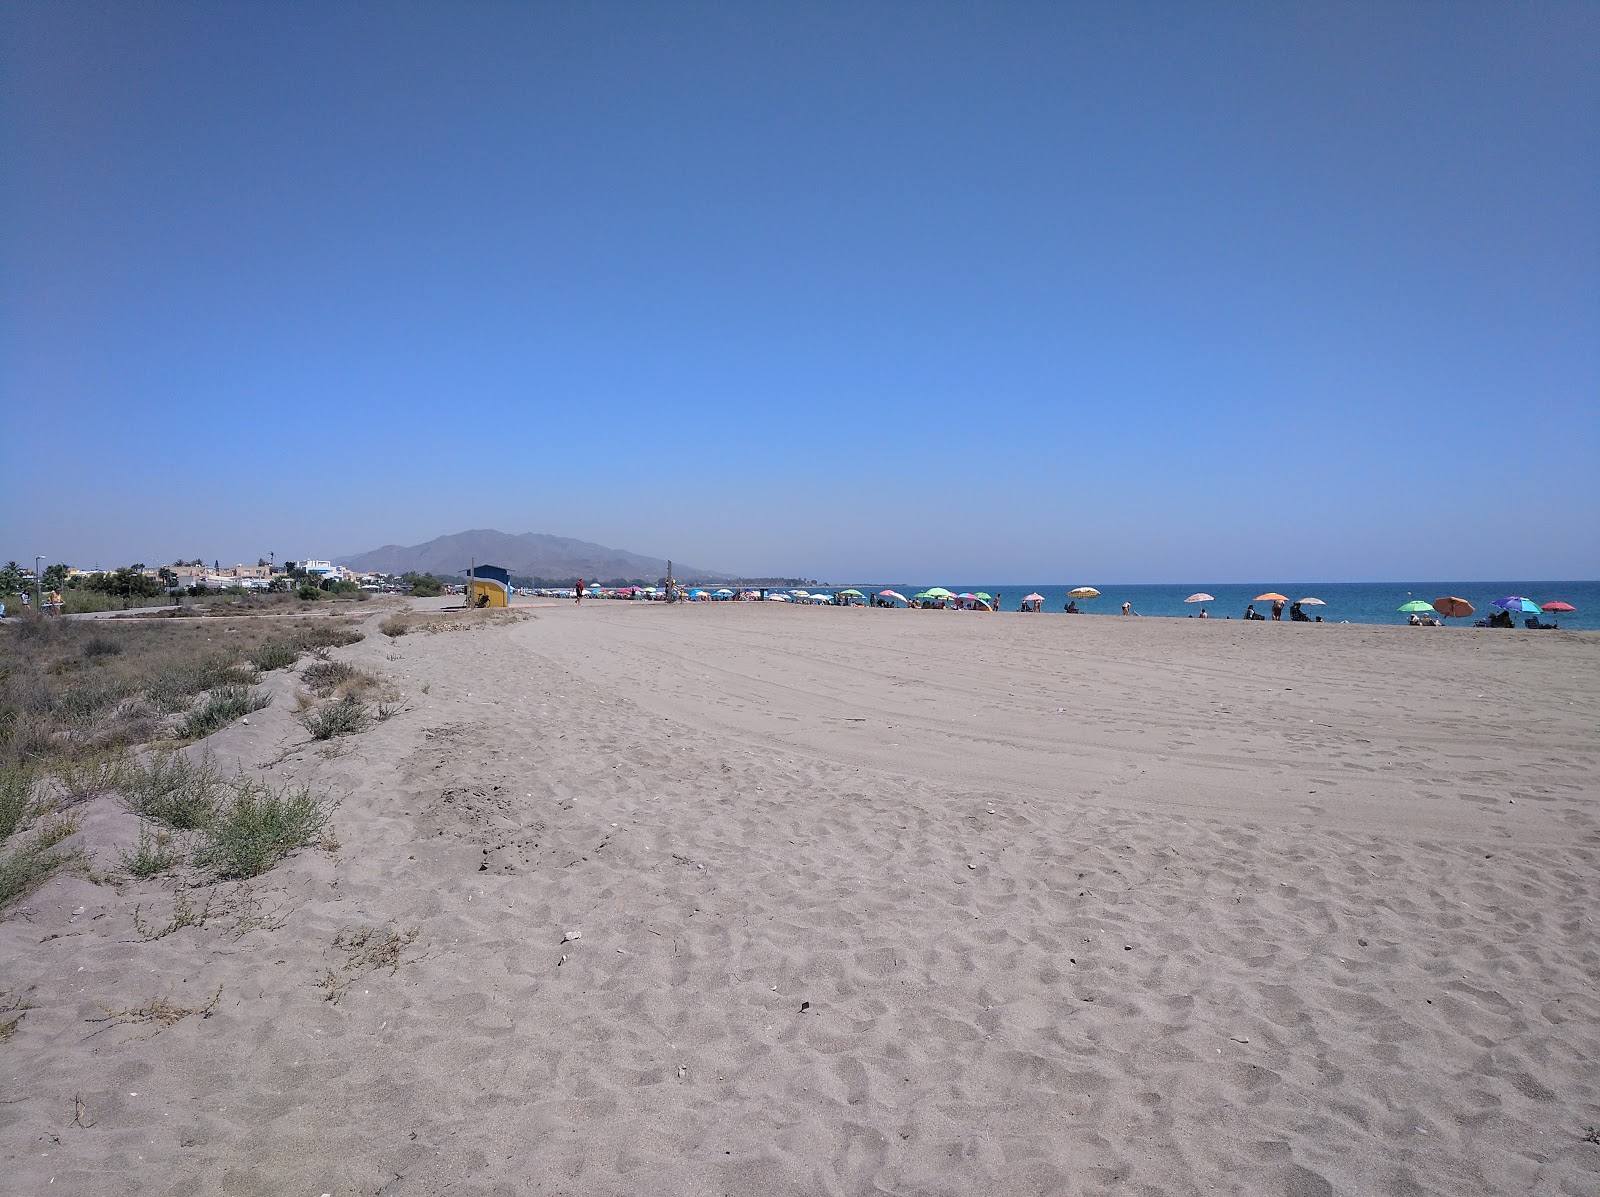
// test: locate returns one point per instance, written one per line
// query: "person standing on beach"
(1277, 608)
(1127, 609)
(578, 592)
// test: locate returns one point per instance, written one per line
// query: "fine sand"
(869, 901)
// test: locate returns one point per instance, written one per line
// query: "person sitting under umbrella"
(1250, 612)
(1298, 616)
(1072, 608)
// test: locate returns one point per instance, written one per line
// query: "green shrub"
(30, 863)
(395, 626)
(258, 826)
(342, 718)
(171, 788)
(16, 797)
(275, 655)
(155, 854)
(221, 707)
(309, 593)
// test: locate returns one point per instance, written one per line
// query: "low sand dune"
(901, 902)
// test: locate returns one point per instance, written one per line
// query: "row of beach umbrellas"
(1458, 608)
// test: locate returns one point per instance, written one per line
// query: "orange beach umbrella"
(1454, 608)
(1272, 596)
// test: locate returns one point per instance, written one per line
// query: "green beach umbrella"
(857, 593)
(1416, 607)
(983, 594)
(922, 594)
(937, 592)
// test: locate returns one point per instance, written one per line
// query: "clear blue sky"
(1017, 291)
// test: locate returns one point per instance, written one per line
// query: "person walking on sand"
(577, 592)
(1127, 609)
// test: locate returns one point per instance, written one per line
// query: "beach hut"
(488, 586)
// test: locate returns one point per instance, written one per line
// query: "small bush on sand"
(395, 626)
(174, 790)
(275, 655)
(153, 855)
(324, 676)
(221, 708)
(342, 718)
(29, 864)
(309, 594)
(258, 826)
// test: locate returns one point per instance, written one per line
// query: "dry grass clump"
(161, 1012)
(433, 622)
(366, 949)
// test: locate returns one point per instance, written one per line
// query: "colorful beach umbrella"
(894, 594)
(1083, 592)
(936, 592)
(1033, 598)
(1415, 607)
(1200, 596)
(1452, 607)
(1558, 606)
(1272, 596)
(1515, 602)
(855, 593)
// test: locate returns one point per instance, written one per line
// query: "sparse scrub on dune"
(221, 707)
(395, 626)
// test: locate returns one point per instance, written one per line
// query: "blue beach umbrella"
(1515, 602)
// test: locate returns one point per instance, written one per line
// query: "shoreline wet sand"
(912, 902)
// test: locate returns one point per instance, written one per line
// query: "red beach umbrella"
(1558, 606)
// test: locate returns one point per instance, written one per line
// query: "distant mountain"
(531, 555)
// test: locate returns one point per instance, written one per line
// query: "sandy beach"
(864, 901)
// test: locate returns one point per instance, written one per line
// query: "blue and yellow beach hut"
(488, 586)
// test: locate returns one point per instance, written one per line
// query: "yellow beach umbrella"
(1083, 592)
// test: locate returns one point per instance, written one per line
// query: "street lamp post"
(37, 589)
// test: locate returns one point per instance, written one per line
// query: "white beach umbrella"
(1200, 596)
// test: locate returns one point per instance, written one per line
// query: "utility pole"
(37, 590)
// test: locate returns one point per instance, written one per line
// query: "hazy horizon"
(849, 291)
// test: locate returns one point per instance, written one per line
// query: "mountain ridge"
(526, 554)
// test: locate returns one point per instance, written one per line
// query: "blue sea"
(1347, 602)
